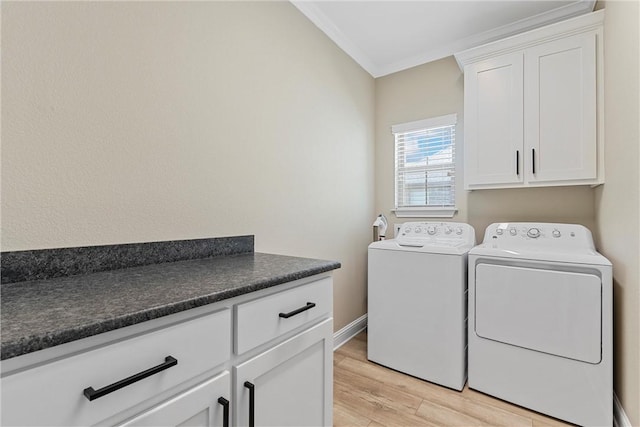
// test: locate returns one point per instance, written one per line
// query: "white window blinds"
(425, 163)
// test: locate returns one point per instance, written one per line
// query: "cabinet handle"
(92, 394)
(225, 405)
(517, 162)
(252, 402)
(533, 160)
(309, 306)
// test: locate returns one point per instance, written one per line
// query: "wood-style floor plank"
(451, 399)
(376, 392)
(355, 349)
(337, 358)
(345, 416)
(441, 415)
(366, 391)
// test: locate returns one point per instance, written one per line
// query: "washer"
(417, 301)
(540, 321)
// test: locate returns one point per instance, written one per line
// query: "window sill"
(424, 212)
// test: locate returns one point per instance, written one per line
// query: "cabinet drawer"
(56, 388)
(260, 321)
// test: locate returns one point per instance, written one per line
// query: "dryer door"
(555, 312)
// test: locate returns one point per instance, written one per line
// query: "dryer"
(417, 301)
(540, 320)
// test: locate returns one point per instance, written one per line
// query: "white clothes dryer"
(540, 321)
(417, 301)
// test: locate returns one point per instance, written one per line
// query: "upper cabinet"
(533, 108)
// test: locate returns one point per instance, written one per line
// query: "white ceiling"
(387, 36)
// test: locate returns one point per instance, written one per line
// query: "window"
(425, 167)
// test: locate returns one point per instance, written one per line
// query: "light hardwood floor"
(367, 394)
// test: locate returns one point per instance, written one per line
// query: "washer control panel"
(543, 235)
(436, 233)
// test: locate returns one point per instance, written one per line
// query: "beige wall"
(618, 200)
(146, 121)
(435, 89)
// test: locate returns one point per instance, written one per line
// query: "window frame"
(425, 211)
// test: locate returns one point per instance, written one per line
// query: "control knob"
(556, 233)
(534, 233)
(513, 231)
(448, 230)
(459, 230)
(431, 229)
(418, 230)
(499, 231)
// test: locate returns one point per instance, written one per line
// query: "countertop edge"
(33, 343)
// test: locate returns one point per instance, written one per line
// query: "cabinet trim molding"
(588, 22)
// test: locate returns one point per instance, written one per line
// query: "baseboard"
(349, 331)
(620, 418)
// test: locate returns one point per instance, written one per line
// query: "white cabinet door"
(289, 384)
(493, 114)
(560, 108)
(198, 406)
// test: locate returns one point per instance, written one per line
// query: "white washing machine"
(540, 321)
(417, 301)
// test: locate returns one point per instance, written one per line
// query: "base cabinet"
(201, 382)
(290, 384)
(203, 405)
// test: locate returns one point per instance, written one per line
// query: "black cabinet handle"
(309, 306)
(252, 402)
(517, 162)
(225, 405)
(92, 394)
(533, 160)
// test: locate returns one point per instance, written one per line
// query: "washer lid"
(392, 245)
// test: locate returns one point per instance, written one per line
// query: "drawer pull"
(533, 160)
(225, 405)
(252, 402)
(92, 394)
(309, 306)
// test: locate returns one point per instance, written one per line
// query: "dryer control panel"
(541, 235)
(452, 234)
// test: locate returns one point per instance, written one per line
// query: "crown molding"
(326, 25)
(546, 18)
(315, 15)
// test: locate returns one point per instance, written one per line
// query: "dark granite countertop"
(39, 314)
